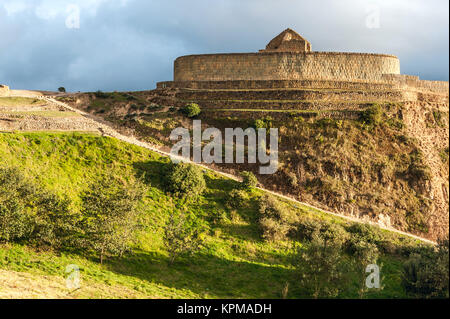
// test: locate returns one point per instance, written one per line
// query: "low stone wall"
(285, 66)
(277, 84)
(296, 95)
(413, 82)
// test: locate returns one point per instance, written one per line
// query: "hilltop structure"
(288, 61)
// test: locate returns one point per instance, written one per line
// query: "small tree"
(17, 194)
(372, 115)
(62, 89)
(249, 180)
(111, 214)
(55, 224)
(186, 180)
(364, 254)
(182, 235)
(191, 110)
(426, 275)
(321, 268)
(274, 219)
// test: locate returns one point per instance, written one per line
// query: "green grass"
(20, 101)
(234, 262)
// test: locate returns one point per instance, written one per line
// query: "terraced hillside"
(369, 150)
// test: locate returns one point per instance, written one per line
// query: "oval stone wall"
(285, 66)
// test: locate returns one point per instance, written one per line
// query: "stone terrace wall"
(277, 84)
(413, 82)
(285, 66)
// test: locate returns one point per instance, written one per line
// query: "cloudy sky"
(131, 44)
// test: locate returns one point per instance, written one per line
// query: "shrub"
(330, 232)
(307, 227)
(237, 199)
(101, 95)
(16, 202)
(186, 180)
(364, 254)
(249, 180)
(15, 223)
(62, 89)
(29, 213)
(273, 229)
(438, 117)
(182, 235)
(292, 179)
(263, 123)
(55, 225)
(372, 115)
(321, 268)
(426, 275)
(191, 110)
(363, 232)
(274, 219)
(259, 124)
(110, 214)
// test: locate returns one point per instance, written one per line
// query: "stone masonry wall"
(285, 66)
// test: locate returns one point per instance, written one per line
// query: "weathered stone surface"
(285, 66)
(288, 41)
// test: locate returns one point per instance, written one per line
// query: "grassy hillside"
(235, 261)
(380, 161)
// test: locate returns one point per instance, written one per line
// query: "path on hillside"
(106, 129)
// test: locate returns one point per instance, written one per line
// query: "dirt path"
(105, 128)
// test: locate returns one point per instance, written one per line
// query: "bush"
(292, 179)
(274, 219)
(55, 224)
(237, 199)
(110, 215)
(62, 89)
(101, 95)
(186, 180)
(321, 268)
(372, 115)
(263, 123)
(364, 254)
(249, 180)
(274, 230)
(15, 223)
(426, 275)
(29, 213)
(182, 235)
(17, 195)
(191, 110)
(363, 232)
(307, 227)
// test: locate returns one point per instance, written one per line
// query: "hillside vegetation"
(249, 243)
(381, 161)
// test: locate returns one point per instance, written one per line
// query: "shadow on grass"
(206, 275)
(152, 172)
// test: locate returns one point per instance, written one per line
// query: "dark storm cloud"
(131, 44)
